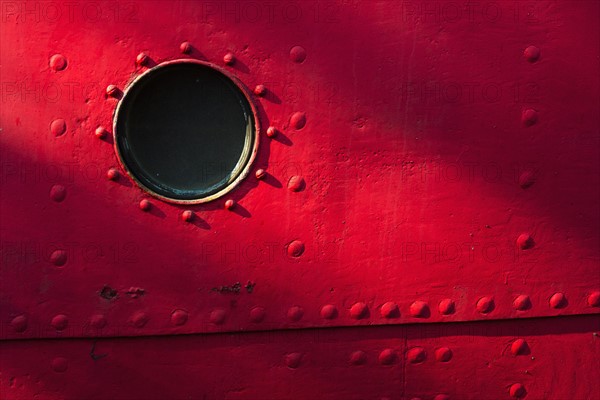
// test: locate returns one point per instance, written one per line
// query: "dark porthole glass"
(185, 131)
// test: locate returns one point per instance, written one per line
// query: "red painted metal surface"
(475, 361)
(419, 162)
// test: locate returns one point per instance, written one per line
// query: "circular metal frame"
(247, 158)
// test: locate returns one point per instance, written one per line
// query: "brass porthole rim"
(241, 175)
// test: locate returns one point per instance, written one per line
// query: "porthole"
(186, 131)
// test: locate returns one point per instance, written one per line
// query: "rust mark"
(135, 292)
(250, 286)
(108, 293)
(93, 354)
(235, 288)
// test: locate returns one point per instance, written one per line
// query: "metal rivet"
(532, 54)
(185, 47)
(58, 193)
(295, 313)
(58, 258)
(112, 91)
(359, 310)
(519, 347)
(419, 309)
(295, 248)
(58, 127)
(527, 179)
(179, 317)
(257, 314)
(329, 311)
(187, 216)
(98, 321)
(358, 358)
(141, 59)
(145, 205)
(58, 62)
(416, 355)
(139, 319)
(594, 299)
(293, 360)
(443, 354)
(529, 117)
(522, 303)
(390, 310)
(387, 357)
(59, 364)
(446, 307)
(19, 323)
(218, 316)
(229, 59)
(260, 174)
(271, 132)
(297, 54)
(229, 204)
(60, 322)
(525, 241)
(298, 120)
(558, 300)
(517, 390)
(485, 304)
(101, 132)
(260, 90)
(296, 184)
(113, 174)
